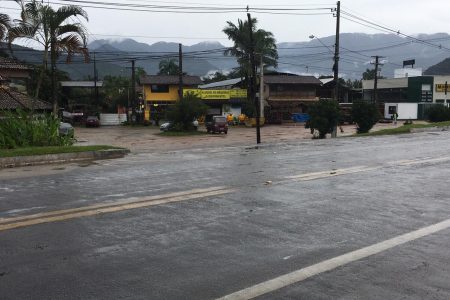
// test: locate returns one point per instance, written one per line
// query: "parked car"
(216, 124)
(66, 129)
(168, 125)
(92, 121)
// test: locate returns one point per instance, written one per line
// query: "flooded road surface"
(343, 218)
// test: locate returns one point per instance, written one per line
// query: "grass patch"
(404, 129)
(27, 151)
(181, 133)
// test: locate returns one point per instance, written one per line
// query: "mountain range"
(314, 57)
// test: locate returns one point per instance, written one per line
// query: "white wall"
(112, 119)
(405, 111)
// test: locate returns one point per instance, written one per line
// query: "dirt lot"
(147, 139)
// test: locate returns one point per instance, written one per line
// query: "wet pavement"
(285, 206)
(147, 139)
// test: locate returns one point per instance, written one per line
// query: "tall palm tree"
(168, 67)
(4, 25)
(54, 30)
(264, 44)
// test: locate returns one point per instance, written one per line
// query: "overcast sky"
(408, 16)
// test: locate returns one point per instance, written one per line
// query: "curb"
(33, 160)
(429, 129)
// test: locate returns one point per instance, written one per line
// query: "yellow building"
(159, 91)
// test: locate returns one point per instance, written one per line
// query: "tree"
(365, 115)
(217, 76)
(54, 30)
(4, 26)
(184, 111)
(168, 67)
(369, 74)
(264, 44)
(324, 116)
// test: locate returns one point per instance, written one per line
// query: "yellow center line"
(61, 215)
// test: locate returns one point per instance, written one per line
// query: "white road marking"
(358, 169)
(333, 263)
(331, 173)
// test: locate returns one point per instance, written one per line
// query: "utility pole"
(261, 88)
(133, 91)
(336, 61)
(95, 81)
(180, 74)
(375, 82)
(253, 79)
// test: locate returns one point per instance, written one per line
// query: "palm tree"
(264, 44)
(4, 25)
(54, 31)
(168, 67)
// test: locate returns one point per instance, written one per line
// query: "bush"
(22, 129)
(438, 113)
(365, 115)
(184, 111)
(324, 116)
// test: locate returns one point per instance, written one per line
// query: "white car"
(167, 125)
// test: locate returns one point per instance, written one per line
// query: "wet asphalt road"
(210, 247)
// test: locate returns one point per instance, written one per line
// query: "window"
(440, 101)
(426, 87)
(156, 88)
(392, 109)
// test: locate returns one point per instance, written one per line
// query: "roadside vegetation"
(365, 115)
(28, 151)
(184, 112)
(404, 129)
(23, 129)
(324, 117)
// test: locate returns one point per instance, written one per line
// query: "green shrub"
(184, 111)
(365, 115)
(438, 113)
(22, 129)
(324, 116)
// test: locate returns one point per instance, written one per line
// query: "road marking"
(331, 173)
(358, 169)
(422, 161)
(333, 263)
(130, 203)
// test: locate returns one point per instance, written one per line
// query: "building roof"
(393, 83)
(10, 99)
(170, 79)
(223, 83)
(10, 64)
(291, 79)
(326, 80)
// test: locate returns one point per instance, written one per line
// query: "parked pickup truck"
(216, 124)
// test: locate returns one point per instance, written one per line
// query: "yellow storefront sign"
(217, 94)
(440, 88)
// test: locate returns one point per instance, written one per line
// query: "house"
(327, 90)
(17, 74)
(285, 94)
(223, 97)
(11, 99)
(160, 91)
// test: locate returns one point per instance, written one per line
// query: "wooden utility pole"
(375, 82)
(95, 81)
(336, 61)
(180, 74)
(133, 91)
(253, 80)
